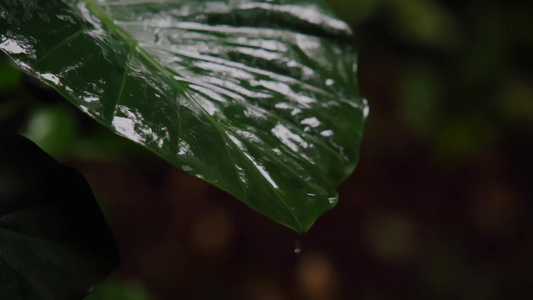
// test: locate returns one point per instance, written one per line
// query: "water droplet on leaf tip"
(297, 247)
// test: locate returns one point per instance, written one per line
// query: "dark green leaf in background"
(54, 241)
(259, 98)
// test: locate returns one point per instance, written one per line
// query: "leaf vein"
(64, 42)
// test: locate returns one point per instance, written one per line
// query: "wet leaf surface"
(259, 98)
(54, 241)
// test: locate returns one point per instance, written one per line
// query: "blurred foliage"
(11, 78)
(10, 81)
(439, 207)
(52, 128)
(119, 290)
(458, 70)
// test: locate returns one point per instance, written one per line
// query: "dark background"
(438, 208)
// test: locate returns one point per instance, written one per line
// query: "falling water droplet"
(297, 247)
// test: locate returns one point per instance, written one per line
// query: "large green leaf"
(54, 241)
(256, 97)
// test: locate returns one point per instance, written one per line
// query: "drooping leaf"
(54, 241)
(258, 97)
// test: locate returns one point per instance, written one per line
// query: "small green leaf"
(54, 241)
(258, 97)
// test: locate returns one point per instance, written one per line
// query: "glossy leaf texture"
(54, 241)
(259, 98)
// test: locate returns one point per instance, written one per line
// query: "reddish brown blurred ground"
(405, 228)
